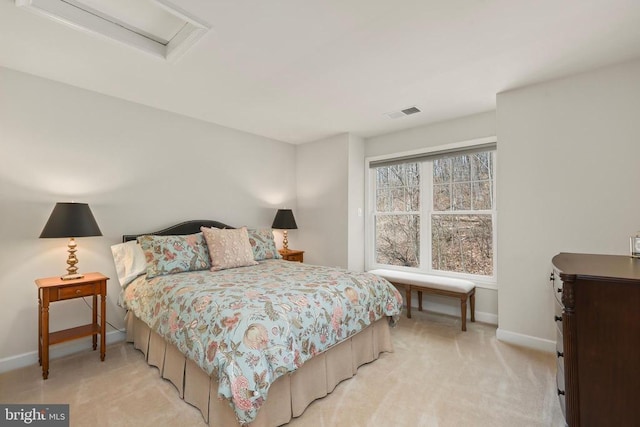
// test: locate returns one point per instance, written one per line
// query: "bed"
(252, 344)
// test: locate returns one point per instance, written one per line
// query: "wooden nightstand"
(292, 255)
(53, 289)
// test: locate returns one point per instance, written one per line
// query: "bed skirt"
(288, 396)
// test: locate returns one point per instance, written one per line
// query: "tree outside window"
(460, 213)
(398, 215)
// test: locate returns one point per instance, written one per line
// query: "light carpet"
(438, 376)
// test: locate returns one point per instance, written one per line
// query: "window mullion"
(426, 208)
(463, 212)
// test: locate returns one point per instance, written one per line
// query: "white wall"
(461, 129)
(322, 190)
(355, 210)
(568, 174)
(139, 169)
(330, 191)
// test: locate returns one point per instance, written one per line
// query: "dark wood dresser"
(597, 316)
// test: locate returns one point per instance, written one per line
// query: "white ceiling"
(302, 70)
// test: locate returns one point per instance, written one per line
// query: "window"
(398, 215)
(436, 213)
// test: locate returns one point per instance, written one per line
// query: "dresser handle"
(551, 278)
(560, 392)
(559, 354)
(78, 291)
(559, 290)
(557, 318)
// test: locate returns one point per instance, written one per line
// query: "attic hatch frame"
(84, 18)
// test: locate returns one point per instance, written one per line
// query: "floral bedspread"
(251, 325)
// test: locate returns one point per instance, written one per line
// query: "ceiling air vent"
(411, 110)
(404, 112)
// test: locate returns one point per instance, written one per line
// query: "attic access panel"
(156, 27)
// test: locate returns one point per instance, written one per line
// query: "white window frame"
(426, 206)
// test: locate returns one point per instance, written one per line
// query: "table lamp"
(284, 220)
(71, 220)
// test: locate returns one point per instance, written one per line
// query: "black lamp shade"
(71, 220)
(284, 220)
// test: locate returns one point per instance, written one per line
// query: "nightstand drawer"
(292, 255)
(78, 291)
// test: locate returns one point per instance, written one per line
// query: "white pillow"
(129, 260)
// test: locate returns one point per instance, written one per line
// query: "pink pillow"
(228, 248)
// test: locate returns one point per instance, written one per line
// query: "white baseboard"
(526, 341)
(454, 310)
(59, 350)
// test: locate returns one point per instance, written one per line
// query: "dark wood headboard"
(187, 227)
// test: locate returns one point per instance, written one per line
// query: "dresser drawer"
(557, 312)
(559, 345)
(557, 316)
(78, 291)
(561, 391)
(560, 387)
(556, 282)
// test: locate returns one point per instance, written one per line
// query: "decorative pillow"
(129, 260)
(174, 254)
(228, 248)
(263, 244)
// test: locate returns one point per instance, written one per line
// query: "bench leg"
(472, 301)
(408, 293)
(419, 300)
(463, 312)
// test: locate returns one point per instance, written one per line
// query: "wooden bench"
(437, 285)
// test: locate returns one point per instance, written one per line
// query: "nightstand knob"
(78, 291)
